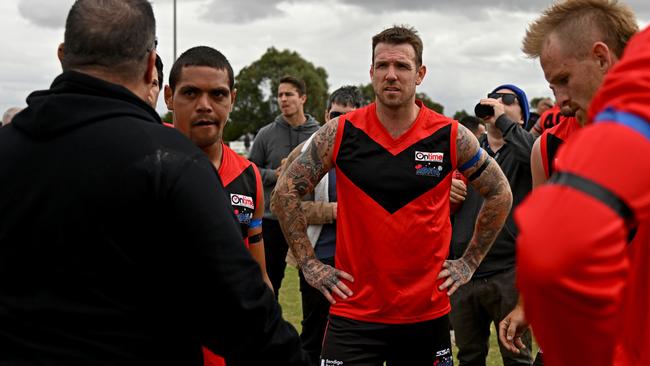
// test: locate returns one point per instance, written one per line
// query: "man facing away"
(273, 143)
(575, 66)
(115, 226)
(393, 163)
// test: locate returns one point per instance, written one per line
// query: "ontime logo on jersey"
(434, 157)
(241, 200)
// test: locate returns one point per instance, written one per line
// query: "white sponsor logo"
(429, 156)
(326, 362)
(444, 352)
(241, 200)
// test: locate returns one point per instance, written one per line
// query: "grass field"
(292, 311)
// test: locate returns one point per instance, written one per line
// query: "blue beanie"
(521, 97)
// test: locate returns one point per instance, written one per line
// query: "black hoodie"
(117, 241)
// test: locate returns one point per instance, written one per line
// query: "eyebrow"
(196, 88)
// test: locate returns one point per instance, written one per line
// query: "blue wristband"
(472, 161)
(255, 223)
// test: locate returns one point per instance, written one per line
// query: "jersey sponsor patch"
(443, 358)
(425, 156)
(244, 217)
(242, 201)
(428, 171)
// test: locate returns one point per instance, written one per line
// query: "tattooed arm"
(298, 179)
(316, 212)
(486, 177)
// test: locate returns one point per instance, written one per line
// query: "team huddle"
(126, 241)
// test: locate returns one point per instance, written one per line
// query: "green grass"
(292, 311)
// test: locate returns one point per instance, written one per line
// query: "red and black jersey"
(242, 180)
(587, 290)
(393, 228)
(548, 119)
(551, 140)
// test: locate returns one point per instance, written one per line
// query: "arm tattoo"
(494, 187)
(300, 178)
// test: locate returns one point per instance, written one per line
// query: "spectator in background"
(321, 217)
(474, 124)
(491, 294)
(272, 144)
(543, 105)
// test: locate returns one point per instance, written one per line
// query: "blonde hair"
(580, 23)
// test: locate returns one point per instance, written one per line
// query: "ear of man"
(602, 54)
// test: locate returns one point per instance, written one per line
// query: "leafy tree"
(257, 86)
(460, 114)
(429, 102)
(167, 117)
(368, 94)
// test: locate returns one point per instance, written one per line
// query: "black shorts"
(355, 343)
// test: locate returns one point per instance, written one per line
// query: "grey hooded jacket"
(272, 144)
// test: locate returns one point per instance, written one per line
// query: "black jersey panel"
(393, 181)
(243, 197)
(552, 145)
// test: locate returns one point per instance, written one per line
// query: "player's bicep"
(537, 165)
(482, 172)
(470, 157)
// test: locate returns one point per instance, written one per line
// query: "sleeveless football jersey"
(243, 182)
(586, 282)
(551, 140)
(548, 119)
(393, 229)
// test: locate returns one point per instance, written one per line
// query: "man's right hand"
(326, 279)
(511, 328)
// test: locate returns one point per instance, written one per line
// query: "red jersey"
(551, 140)
(587, 290)
(393, 228)
(548, 119)
(243, 182)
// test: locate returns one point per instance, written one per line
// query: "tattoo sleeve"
(299, 178)
(493, 186)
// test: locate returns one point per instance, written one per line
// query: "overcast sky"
(470, 47)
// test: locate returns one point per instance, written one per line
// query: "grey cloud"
(49, 14)
(240, 11)
(456, 6)
(473, 8)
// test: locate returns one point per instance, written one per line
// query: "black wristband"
(480, 170)
(255, 238)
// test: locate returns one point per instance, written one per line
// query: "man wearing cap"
(491, 293)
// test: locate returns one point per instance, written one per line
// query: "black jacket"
(118, 245)
(514, 160)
